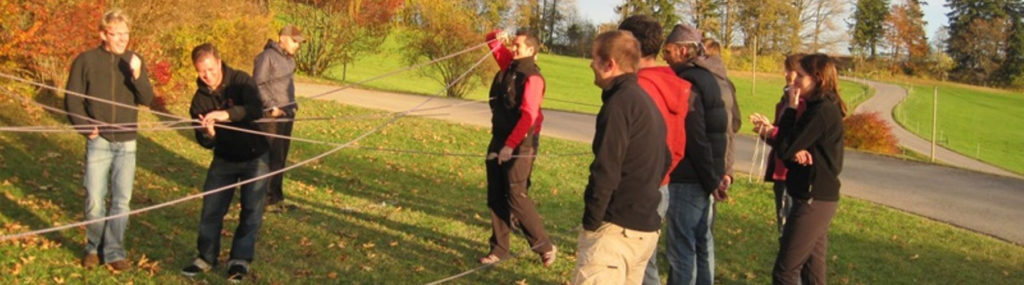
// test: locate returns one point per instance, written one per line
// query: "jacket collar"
(617, 83)
(271, 44)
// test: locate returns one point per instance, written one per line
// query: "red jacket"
(672, 96)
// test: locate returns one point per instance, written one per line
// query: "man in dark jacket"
(670, 94)
(109, 72)
(690, 245)
(620, 218)
(228, 96)
(273, 73)
(517, 92)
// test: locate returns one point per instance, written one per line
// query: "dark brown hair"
(823, 68)
(793, 61)
(531, 40)
(204, 50)
(647, 31)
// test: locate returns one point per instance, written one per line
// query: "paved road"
(886, 98)
(982, 202)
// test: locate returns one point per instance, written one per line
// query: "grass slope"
(973, 121)
(372, 217)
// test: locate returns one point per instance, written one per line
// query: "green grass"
(977, 122)
(569, 83)
(384, 218)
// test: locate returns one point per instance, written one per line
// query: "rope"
(394, 118)
(393, 72)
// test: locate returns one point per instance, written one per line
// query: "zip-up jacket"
(274, 72)
(517, 92)
(630, 159)
(819, 130)
(671, 95)
(706, 127)
(105, 75)
(238, 96)
(715, 65)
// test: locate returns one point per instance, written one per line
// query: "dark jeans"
(804, 243)
(215, 206)
(278, 152)
(507, 187)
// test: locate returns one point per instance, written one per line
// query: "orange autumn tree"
(37, 40)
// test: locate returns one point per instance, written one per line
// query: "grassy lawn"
(569, 83)
(973, 121)
(383, 218)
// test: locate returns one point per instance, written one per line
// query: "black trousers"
(278, 157)
(507, 195)
(803, 247)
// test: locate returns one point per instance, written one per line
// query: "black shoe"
(237, 272)
(198, 266)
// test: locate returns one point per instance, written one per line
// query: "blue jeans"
(109, 169)
(651, 273)
(215, 206)
(690, 245)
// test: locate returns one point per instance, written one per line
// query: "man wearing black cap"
(701, 173)
(273, 73)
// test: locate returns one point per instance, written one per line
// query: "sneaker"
(198, 266)
(549, 257)
(120, 265)
(489, 259)
(237, 270)
(90, 260)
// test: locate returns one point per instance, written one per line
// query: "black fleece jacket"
(630, 160)
(237, 94)
(105, 75)
(706, 127)
(819, 130)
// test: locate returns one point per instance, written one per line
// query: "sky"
(602, 11)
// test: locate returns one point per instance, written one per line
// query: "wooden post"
(935, 117)
(753, 71)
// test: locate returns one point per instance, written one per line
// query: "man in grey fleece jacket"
(273, 73)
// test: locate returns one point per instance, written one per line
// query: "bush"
(165, 31)
(867, 131)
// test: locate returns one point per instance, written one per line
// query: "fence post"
(935, 117)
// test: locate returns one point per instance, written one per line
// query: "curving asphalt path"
(982, 202)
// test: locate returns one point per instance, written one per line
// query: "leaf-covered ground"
(376, 217)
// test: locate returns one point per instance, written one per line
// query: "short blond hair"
(113, 16)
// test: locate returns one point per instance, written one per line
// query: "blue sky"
(601, 11)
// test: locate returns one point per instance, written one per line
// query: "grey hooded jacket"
(273, 73)
(715, 65)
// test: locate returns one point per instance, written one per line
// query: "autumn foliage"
(38, 39)
(867, 131)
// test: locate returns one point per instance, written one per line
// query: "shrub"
(165, 31)
(867, 131)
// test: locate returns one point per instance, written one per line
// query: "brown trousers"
(507, 195)
(804, 244)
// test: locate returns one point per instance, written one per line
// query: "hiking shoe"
(237, 270)
(489, 259)
(549, 257)
(120, 265)
(198, 266)
(90, 260)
